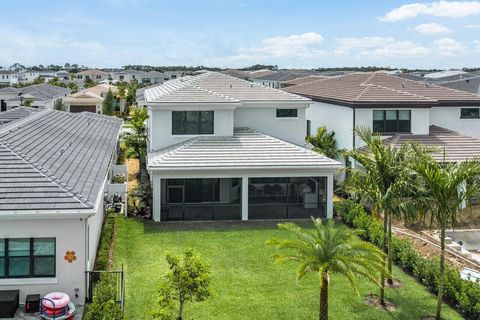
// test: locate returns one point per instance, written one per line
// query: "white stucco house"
(54, 170)
(9, 78)
(388, 105)
(42, 96)
(221, 148)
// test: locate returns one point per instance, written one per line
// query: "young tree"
(136, 140)
(89, 83)
(104, 305)
(73, 87)
(59, 105)
(330, 249)
(381, 178)
(107, 104)
(187, 281)
(324, 143)
(446, 187)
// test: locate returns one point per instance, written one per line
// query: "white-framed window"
(286, 113)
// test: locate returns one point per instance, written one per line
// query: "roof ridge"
(45, 173)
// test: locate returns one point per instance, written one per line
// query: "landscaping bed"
(245, 281)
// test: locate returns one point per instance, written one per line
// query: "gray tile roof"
(41, 92)
(471, 85)
(458, 147)
(214, 87)
(16, 114)
(53, 160)
(245, 150)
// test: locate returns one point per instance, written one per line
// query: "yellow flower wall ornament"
(70, 256)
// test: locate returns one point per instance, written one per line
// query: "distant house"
(41, 96)
(144, 77)
(91, 99)
(55, 168)
(92, 74)
(471, 85)
(301, 80)
(388, 105)
(222, 148)
(276, 79)
(9, 78)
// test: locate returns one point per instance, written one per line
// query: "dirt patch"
(396, 284)
(111, 249)
(374, 301)
(133, 168)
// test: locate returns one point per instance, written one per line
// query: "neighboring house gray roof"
(54, 160)
(38, 92)
(245, 150)
(9, 90)
(283, 75)
(448, 75)
(16, 114)
(471, 85)
(457, 147)
(214, 87)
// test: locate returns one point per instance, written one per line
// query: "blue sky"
(237, 33)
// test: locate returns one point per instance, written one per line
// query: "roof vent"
(403, 85)
(426, 85)
(251, 86)
(230, 86)
(61, 151)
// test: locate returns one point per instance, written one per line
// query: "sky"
(239, 33)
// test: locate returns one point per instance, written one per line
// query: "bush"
(101, 261)
(104, 305)
(463, 295)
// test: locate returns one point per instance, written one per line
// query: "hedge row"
(463, 295)
(101, 261)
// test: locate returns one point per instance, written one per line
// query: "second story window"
(192, 122)
(391, 121)
(287, 113)
(470, 113)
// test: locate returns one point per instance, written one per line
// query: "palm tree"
(381, 178)
(444, 188)
(329, 250)
(324, 143)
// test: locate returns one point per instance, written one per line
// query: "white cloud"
(472, 26)
(431, 28)
(454, 9)
(448, 47)
(301, 46)
(378, 47)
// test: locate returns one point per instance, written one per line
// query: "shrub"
(101, 261)
(463, 295)
(104, 305)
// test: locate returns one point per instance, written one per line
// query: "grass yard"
(246, 284)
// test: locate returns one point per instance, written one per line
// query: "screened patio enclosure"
(221, 198)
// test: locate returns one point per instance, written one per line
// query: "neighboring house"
(221, 148)
(275, 80)
(41, 96)
(128, 75)
(91, 99)
(9, 78)
(447, 75)
(301, 80)
(471, 85)
(388, 105)
(237, 73)
(55, 168)
(16, 114)
(92, 74)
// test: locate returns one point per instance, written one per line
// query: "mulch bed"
(374, 301)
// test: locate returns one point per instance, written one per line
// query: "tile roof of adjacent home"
(457, 147)
(91, 95)
(380, 89)
(93, 72)
(302, 80)
(471, 85)
(245, 150)
(16, 114)
(236, 73)
(54, 160)
(214, 87)
(38, 92)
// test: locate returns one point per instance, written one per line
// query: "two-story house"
(221, 148)
(388, 105)
(92, 74)
(42, 96)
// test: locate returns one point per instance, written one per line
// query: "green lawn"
(246, 284)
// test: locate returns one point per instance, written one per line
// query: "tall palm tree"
(444, 188)
(329, 249)
(381, 178)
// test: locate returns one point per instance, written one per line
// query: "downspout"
(354, 126)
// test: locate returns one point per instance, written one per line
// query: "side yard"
(246, 283)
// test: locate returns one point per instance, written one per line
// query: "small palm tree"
(381, 178)
(444, 189)
(327, 250)
(324, 143)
